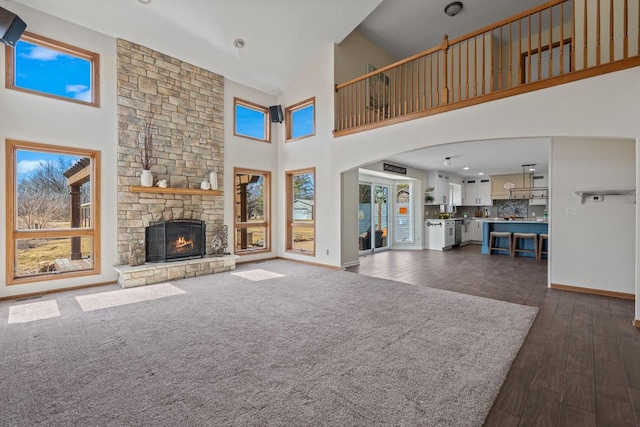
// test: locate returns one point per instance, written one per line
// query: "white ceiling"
(283, 37)
(495, 157)
(405, 27)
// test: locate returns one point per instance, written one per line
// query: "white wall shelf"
(582, 195)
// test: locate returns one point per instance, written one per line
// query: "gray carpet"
(316, 347)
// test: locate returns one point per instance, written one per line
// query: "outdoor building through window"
(301, 119)
(252, 222)
(53, 220)
(50, 68)
(251, 120)
(301, 210)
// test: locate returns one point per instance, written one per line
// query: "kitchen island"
(537, 227)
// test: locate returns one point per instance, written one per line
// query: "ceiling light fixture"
(480, 173)
(447, 161)
(453, 8)
(145, 1)
(466, 168)
(239, 43)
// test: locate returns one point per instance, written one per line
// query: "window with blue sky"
(251, 120)
(301, 119)
(44, 66)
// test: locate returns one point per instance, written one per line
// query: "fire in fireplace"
(175, 240)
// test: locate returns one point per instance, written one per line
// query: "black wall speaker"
(11, 27)
(276, 114)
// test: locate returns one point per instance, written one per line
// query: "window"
(252, 211)
(50, 68)
(53, 214)
(251, 120)
(404, 213)
(301, 120)
(301, 224)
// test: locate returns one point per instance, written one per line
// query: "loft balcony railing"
(555, 43)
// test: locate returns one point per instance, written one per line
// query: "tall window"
(53, 213)
(301, 119)
(251, 120)
(252, 211)
(50, 68)
(301, 200)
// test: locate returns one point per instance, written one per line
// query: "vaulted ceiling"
(283, 37)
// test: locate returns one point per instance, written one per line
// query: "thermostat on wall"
(597, 198)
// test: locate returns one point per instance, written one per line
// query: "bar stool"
(493, 240)
(518, 236)
(542, 238)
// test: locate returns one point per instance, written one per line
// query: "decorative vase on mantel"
(146, 179)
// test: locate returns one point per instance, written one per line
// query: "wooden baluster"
(598, 13)
(411, 106)
(625, 42)
(499, 62)
(405, 77)
(586, 52)
(539, 46)
(466, 85)
(459, 71)
(437, 78)
(395, 91)
(475, 66)
(430, 80)
(424, 82)
(509, 77)
(562, 38)
(445, 83)
(530, 66)
(550, 43)
(491, 65)
(379, 87)
(520, 70)
(611, 45)
(483, 65)
(572, 60)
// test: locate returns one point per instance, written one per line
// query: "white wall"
(315, 151)
(354, 54)
(35, 118)
(242, 152)
(595, 248)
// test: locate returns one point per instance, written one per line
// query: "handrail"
(527, 51)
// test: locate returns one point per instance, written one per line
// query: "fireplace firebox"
(175, 240)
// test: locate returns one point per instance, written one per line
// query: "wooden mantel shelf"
(191, 191)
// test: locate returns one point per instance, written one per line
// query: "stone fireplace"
(188, 139)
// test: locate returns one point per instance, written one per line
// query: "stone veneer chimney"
(187, 103)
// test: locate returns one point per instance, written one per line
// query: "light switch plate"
(572, 211)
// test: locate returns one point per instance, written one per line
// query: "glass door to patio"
(373, 217)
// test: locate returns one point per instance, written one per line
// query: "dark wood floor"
(580, 363)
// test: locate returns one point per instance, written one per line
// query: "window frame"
(289, 121)
(267, 212)
(14, 234)
(291, 223)
(92, 57)
(256, 107)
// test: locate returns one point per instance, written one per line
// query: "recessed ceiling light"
(239, 43)
(532, 169)
(145, 1)
(466, 168)
(480, 173)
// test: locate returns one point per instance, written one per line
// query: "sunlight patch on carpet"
(257, 275)
(127, 296)
(34, 311)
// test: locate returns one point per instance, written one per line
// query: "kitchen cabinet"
(476, 230)
(539, 197)
(476, 192)
(466, 231)
(440, 184)
(501, 184)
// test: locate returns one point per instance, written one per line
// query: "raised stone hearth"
(150, 273)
